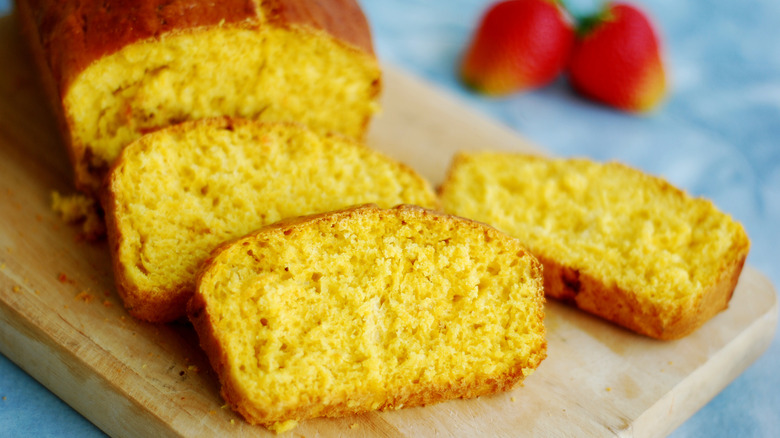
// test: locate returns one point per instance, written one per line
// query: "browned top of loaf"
(73, 34)
(341, 18)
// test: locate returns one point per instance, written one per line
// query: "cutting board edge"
(697, 389)
(59, 376)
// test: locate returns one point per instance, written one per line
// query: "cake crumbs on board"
(63, 278)
(85, 297)
(79, 209)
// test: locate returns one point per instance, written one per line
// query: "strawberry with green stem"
(617, 59)
(518, 45)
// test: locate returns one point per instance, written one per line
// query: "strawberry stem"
(585, 23)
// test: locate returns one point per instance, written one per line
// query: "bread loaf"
(614, 241)
(118, 69)
(178, 192)
(366, 309)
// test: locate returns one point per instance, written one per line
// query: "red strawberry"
(519, 44)
(616, 59)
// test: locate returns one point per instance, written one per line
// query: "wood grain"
(61, 321)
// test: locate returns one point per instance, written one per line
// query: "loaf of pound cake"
(176, 193)
(614, 241)
(365, 309)
(115, 70)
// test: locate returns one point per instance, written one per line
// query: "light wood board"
(61, 320)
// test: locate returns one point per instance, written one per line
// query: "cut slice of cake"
(365, 309)
(614, 241)
(116, 70)
(177, 193)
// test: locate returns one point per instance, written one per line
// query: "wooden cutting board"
(61, 320)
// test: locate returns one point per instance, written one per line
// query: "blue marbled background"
(718, 135)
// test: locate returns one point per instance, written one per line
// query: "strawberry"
(518, 45)
(617, 60)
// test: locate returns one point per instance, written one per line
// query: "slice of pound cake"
(177, 193)
(118, 69)
(614, 241)
(365, 309)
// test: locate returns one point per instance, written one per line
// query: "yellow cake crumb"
(227, 181)
(72, 208)
(85, 297)
(79, 209)
(615, 241)
(366, 309)
(148, 85)
(283, 426)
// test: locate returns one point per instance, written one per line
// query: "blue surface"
(718, 135)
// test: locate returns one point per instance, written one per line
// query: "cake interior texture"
(627, 229)
(179, 192)
(221, 70)
(371, 311)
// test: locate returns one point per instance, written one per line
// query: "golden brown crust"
(343, 19)
(72, 35)
(621, 307)
(75, 34)
(412, 395)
